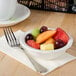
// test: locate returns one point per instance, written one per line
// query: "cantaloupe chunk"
(50, 40)
(45, 35)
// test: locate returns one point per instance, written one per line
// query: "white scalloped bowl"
(51, 54)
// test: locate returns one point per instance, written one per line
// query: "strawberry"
(33, 44)
(61, 34)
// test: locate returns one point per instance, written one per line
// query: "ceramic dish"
(51, 54)
(22, 13)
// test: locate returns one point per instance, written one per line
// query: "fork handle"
(37, 66)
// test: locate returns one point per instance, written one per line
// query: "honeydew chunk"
(35, 32)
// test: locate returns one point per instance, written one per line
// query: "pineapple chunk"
(47, 47)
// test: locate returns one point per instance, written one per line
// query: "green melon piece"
(35, 32)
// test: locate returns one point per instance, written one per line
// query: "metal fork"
(13, 42)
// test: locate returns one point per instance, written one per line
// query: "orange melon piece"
(50, 40)
(45, 35)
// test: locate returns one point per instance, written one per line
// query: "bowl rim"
(25, 46)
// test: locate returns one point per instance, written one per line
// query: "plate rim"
(10, 23)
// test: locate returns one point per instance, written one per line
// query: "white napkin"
(18, 54)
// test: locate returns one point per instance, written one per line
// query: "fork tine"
(8, 36)
(11, 36)
(14, 38)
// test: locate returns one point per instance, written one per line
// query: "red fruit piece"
(33, 44)
(29, 37)
(43, 29)
(62, 35)
(58, 44)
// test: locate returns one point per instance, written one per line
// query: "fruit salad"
(45, 39)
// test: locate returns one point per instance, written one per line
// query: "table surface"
(11, 67)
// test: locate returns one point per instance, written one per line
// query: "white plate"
(22, 12)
